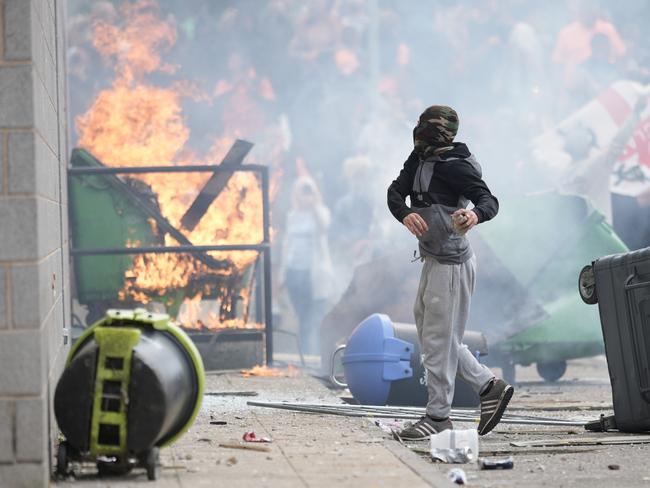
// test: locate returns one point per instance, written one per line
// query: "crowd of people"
(330, 90)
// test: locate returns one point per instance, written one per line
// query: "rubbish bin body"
(383, 366)
(544, 240)
(107, 211)
(132, 382)
(102, 216)
(623, 290)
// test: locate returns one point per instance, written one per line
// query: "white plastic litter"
(455, 446)
(457, 476)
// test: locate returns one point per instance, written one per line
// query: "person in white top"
(306, 267)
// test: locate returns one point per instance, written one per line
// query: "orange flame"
(135, 48)
(134, 123)
(290, 372)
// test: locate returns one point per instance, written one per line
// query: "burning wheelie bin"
(110, 213)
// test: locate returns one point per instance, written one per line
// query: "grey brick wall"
(34, 282)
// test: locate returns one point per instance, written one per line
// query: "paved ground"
(314, 450)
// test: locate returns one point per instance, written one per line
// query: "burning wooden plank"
(215, 185)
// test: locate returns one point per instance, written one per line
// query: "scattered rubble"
(586, 441)
(251, 437)
(489, 464)
(232, 393)
(243, 446)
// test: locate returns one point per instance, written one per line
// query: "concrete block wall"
(34, 290)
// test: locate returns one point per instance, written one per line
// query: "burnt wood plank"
(215, 185)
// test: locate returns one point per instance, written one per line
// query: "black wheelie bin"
(620, 284)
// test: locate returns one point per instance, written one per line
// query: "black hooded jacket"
(456, 174)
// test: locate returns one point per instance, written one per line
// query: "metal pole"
(231, 168)
(268, 298)
(109, 251)
(471, 413)
(259, 290)
(411, 416)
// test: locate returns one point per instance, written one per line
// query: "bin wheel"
(110, 468)
(152, 464)
(587, 285)
(62, 460)
(551, 370)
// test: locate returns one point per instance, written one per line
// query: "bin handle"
(333, 378)
(632, 286)
(636, 329)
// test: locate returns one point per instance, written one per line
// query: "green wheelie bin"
(543, 240)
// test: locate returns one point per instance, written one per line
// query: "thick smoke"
(330, 90)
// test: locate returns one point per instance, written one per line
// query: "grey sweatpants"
(441, 312)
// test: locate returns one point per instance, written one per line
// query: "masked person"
(441, 177)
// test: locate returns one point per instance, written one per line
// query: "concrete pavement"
(307, 450)
(311, 450)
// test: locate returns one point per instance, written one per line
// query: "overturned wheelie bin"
(620, 284)
(382, 364)
(133, 383)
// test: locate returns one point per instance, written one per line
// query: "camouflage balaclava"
(436, 129)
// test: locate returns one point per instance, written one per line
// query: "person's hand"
(464, 220)
(416, 224)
